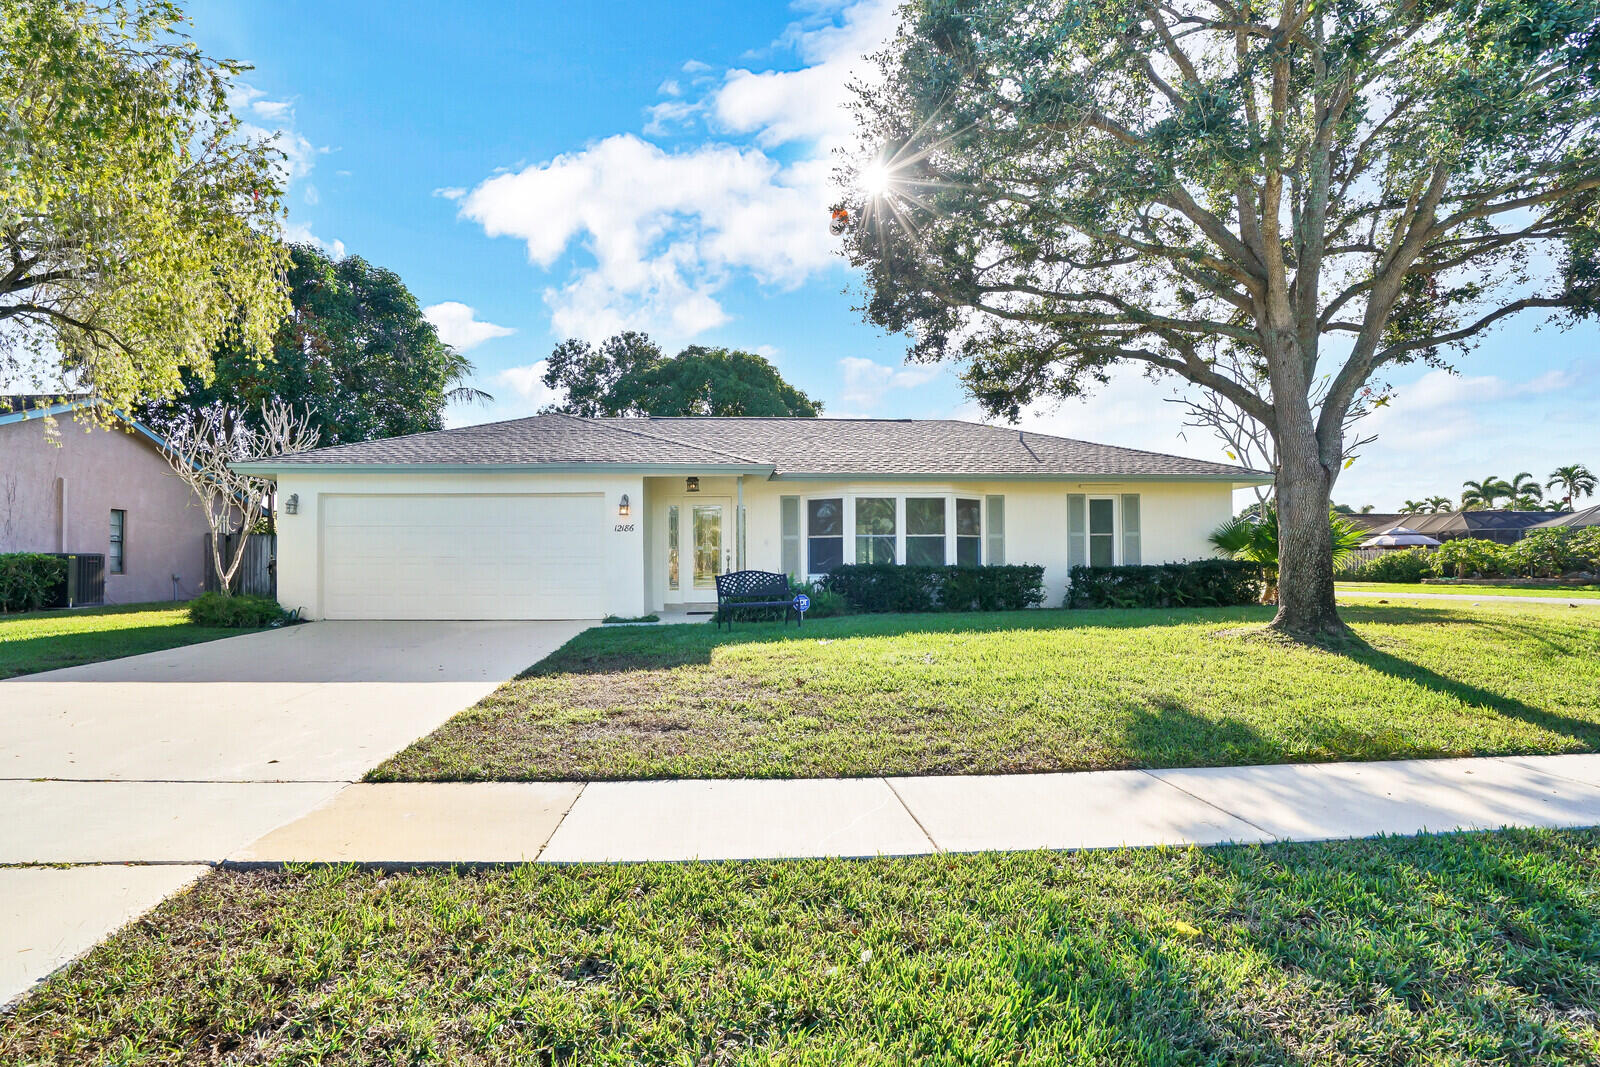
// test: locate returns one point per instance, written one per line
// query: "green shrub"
(1203, 583)
(1398, 565)
(30, 581)
(825, 603)
(880, 587)
(235, 612)
(1468, 556)
(1552, 553)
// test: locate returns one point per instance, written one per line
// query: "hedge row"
(1541, 554)
(879, 587)
(30, 581)
(235, 612)
(1203, 583)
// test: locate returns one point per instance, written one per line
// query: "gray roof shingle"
(796, 447)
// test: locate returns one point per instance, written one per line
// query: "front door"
(705, 533)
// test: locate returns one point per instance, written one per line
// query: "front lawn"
(45, 640)
(1029, 691)
(1468, 589)
(1480, 948)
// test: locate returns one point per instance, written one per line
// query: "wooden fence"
(258, 570)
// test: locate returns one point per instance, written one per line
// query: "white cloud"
(450, 192)
(460, 328)
(809, 104)
(664, 230)
(528, 384)
(299, 157)
(657, 235)
(272, 110)
(300, 233)
(865, 383)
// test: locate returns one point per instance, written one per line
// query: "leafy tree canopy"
(1310, 192)
(137, 222)
(355, 354)
(628, 375)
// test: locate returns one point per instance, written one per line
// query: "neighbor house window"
(925, 531)
(969, 532)
(119, 529)
(672, 546)
(824, 535)
(1102, 531)
(875, 529)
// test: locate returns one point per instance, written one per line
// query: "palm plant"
(1525, 494)
(1441, 504)
(1256, 541)
(1414, 507)
(1483, 494)
(1575, 478)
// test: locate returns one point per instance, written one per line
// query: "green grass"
(1480, 948)
(45, 640)
(1029, 691)
(1468, 589)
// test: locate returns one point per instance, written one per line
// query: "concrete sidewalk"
(568, 822)
(1480, 598)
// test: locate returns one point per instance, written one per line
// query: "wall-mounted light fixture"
(622, 506)
(291, 504)
(691, 484)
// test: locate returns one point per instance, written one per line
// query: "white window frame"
(1088, 527)
(899, 496)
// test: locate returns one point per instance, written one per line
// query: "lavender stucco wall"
(96, 470)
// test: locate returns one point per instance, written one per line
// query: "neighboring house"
(70, 486)
(1576, 519)
(1504, 527)
(563, 517)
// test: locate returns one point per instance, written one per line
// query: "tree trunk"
(1306, 609)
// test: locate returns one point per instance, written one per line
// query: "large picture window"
(925, 531)
(875, 529)
(824, 534)
(969, 532)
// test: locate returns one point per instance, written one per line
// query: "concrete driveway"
(180, 757)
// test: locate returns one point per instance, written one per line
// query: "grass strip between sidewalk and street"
(1481, 948)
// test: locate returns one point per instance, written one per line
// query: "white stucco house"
(557, 516)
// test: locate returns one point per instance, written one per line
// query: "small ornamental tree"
(203, 451)
(1316, 192)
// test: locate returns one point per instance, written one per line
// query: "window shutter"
(1130, 528)
(996, 554)
(1077, 530)
(789, 509)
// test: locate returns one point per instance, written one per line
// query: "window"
(119, 528)
(875, 529)
(925, 531)
(969, 532)
(824, 534)
(672, 546)
(1102, 532)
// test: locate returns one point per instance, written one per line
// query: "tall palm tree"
(1575, 478)
(1483, 494)
(1441, 504)
(1415, 507)
(1525, 493)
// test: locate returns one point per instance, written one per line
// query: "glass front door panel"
(707, 545)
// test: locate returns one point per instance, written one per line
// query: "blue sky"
(537, 171)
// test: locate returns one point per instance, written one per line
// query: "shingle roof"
(782, 447)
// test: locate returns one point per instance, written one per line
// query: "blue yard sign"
(802, 603)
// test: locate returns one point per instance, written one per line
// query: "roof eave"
(269, 468)
(1243, 480)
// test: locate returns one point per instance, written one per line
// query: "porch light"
(622, 506)
(691, 484)
(291, 504)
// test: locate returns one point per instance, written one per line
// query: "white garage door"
(462, 557)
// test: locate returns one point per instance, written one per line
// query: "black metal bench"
(754, 589)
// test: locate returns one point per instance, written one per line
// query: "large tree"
(1316, 191)
(137, 223)
(355, 355)
(627, 374)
